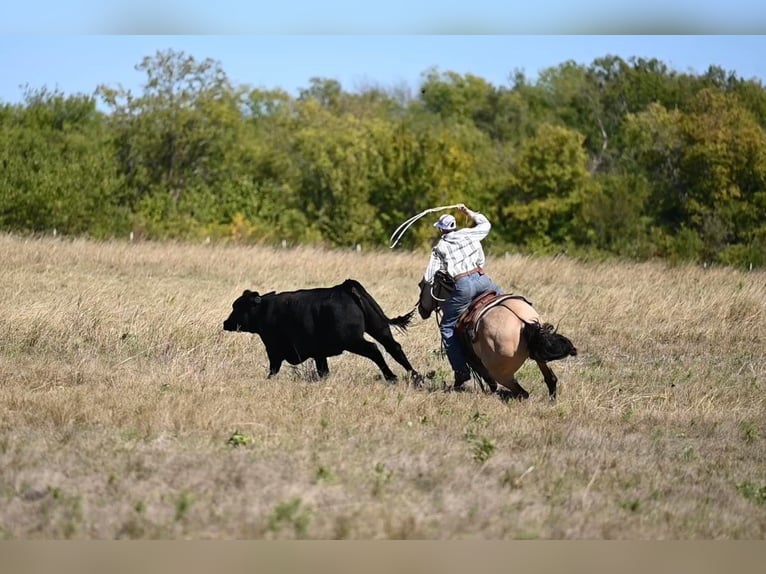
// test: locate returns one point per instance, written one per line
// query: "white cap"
(446, 222)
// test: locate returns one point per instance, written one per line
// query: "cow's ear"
(252, 296)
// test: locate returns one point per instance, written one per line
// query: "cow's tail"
(372, 311)
(545, 344)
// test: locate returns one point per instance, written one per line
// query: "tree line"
(624, 158)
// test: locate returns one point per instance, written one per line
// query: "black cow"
(320, 323)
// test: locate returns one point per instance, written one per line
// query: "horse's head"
(433, 296)
(426, 302)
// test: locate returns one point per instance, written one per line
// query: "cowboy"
(459, 254)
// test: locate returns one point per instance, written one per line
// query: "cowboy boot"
(460, 378)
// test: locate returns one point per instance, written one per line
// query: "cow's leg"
(395, 350)
(322, 369)
(275, 363)
(371, 351)
(274, 367)
(550, 378)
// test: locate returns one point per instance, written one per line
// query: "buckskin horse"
(498, 333)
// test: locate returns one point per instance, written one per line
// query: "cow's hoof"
(417, 379)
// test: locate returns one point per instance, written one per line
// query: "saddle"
(469, 319)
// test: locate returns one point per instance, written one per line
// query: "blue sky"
(79, 63)
(75, 45)
(383, 17)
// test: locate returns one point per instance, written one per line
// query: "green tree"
(612, 216)
(549, 177)
(180, 144)
(58, 169)
(708, 171)
(724, 166)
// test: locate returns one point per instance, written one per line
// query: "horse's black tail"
(545, 344)
(372, 311)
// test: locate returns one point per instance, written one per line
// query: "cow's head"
(243, 313)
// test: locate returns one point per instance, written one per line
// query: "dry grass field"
(126, 411)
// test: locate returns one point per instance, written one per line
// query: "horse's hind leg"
(550, 378)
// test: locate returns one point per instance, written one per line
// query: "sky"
(75, 45)
(382, 17)
(79, 63)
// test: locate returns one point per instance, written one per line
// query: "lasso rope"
(397, 235)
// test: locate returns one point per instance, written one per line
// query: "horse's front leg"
(515, 390)
(550, 378)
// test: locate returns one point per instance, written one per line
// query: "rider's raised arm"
(481, 226)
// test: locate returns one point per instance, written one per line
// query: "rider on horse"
(459, 254)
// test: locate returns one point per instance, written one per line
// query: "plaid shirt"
(460, 250)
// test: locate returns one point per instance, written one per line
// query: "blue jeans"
(466, 289)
